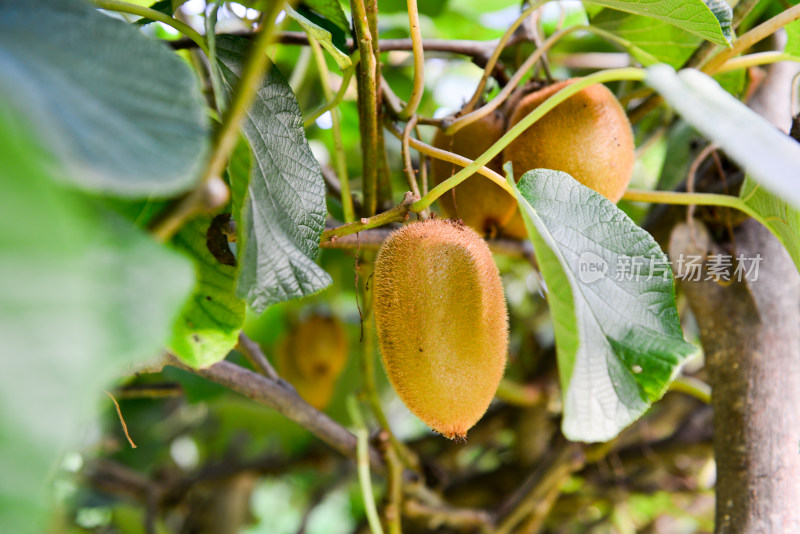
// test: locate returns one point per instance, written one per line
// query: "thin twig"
(362, 461)
(336, 127)
(252, 351)
(408, 167)
(333, 100)
(121, 419)
(281, 397)
(419, 62)
(501, 45)
(398, 213)
(567, 459)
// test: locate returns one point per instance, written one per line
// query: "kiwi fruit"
(587, 136)
(311, 356)
(479, 202)
(442, 322)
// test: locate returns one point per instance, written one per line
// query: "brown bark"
(751, 336)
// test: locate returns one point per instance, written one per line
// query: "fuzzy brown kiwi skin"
(311, 356)
(442, 322)
(587, 136)
(480, 203)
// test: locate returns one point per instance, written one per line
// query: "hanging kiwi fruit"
(442, 322)
(311, 356)
(587, 136)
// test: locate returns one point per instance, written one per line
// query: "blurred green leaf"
(208, 328)
(766, 153)
(83, 294)
(618, 337)
(710, 19)
(119, 111)
(284, 212)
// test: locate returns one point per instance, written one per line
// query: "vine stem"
(752, 60)
(501, 45)
(252, 74)
(398, 213)
(152, 14)
(693, 387)
(497, 101)
(362, 461)
(750, 38)
(333, 101)
(696, 199)
(338, 146)
(419, 63)
(367, 105)
(629, 73)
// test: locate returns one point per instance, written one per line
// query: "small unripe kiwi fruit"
(479, 202)
(311, 356)
(587, 136)
(442, 322)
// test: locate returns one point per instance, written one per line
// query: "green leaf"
(331, 10)
(665, 42)
(710, 19)
(766, 153)
(119, 111)
(618, 337)
(83, 294)
(323, 36)
(781, 219)
(284, 212)
(208, 328)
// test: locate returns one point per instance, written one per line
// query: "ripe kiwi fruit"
(479, 202)
(587, 136)
(311, 356)
(442, 322)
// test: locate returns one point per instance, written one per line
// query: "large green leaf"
(665, 42)
(767, 154)
(781, 219)
(83, 294)
(284, 212)
(119, 111)
(710, 19)
(610, 290)
(208, 329)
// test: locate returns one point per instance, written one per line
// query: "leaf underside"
(619, 341)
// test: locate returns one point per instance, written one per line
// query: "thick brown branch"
(751, 335)
(284, 399)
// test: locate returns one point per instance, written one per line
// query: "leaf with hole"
(208, 328)
(610, 290)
